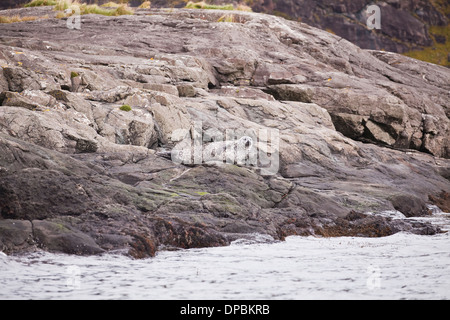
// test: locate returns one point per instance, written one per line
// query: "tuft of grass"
(145, 5)
(39, 3)
(111, 5)
(121, 9)
(204, 5)
(125, 108)
(227, 18)
(14, 19)
(60, 15)
(243, 7)
(66, 4)
(73, 74)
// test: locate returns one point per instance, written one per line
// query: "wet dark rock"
(441, 200)
(410, 206)
(58, 237)
(15, 235)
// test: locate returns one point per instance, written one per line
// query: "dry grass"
(204, 5)
(145, 5)
(14, 19)
(231, 18)
(82, 8)
(111, 5)
(227, 18)
(39, 3)
(243, 7)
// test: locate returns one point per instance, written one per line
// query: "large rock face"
(356, 131)
(405, 24)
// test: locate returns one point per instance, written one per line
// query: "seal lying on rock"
(230, 151)
(233, 151)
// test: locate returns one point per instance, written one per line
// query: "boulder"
(15, 234)
(20, 79)
(4, 86)
(135, 127)
(58, 237)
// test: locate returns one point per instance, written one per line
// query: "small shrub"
(73, 74)
(125, 108)
(145, 5)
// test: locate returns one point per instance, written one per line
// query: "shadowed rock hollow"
(359, 131)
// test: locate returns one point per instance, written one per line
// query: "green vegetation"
(39, 3)
(61, 5)
(73, 74)
(204, 5)
(227, 18)
(125, 108)
(65, 4)
(443, 6)
(201, 193)
(438, 53)
(82, 8)
(111, 5)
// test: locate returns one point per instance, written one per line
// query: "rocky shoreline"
(359, 131)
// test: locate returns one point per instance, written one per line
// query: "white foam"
(401, 266)
(394, 214)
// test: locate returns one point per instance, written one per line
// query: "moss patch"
(125, 108)
(201, 193)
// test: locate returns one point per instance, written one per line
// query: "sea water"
(401, 266)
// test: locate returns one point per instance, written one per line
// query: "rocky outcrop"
(357, 132)
(405, 25)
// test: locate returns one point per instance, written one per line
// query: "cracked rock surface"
(359, 131)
